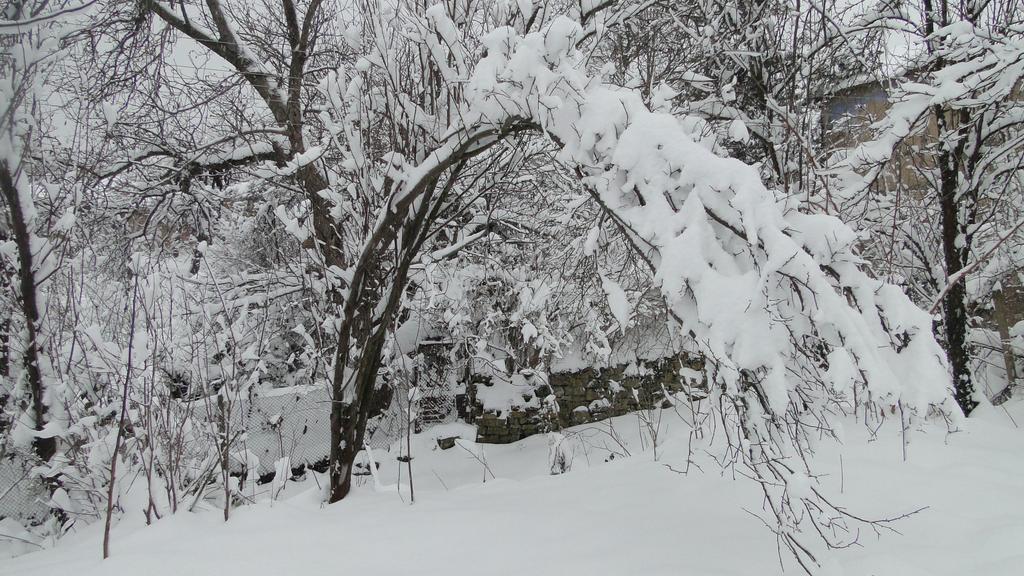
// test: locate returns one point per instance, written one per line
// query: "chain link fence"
(23, 497)
(292, 422)
(295, 422)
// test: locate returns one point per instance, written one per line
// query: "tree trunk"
(349, 417)
(1002, 316)
(44, 447)
(365, 322)
(360, 343)
(955, 250)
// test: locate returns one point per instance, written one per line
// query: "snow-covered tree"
(31, 37)
(324, 171)
(957, 125)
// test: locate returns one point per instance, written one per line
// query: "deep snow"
(630, 515)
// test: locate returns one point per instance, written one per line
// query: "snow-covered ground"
(629, 515)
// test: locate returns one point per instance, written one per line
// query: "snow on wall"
(537, 403)
(650, 339)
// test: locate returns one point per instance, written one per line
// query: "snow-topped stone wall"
(532, 403)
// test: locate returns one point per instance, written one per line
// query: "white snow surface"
(630, 515)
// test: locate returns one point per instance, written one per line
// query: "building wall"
(847, 118)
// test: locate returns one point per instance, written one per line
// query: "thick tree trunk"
(44, 447)
(955, 250)
(955, 242)
(350, 414)
(380, 273)
(358, 356)
(357, 362)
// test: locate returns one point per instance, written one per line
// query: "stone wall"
(583, 396)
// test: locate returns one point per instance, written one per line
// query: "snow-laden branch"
(776, 300)
(753, 282)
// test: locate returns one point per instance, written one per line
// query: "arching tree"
(410, 109)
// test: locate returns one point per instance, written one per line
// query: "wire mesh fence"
(291, 422)
(23, 496)
(295, 422)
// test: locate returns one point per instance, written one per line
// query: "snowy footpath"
(496, 510)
